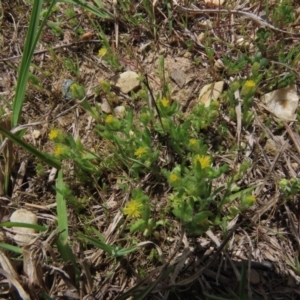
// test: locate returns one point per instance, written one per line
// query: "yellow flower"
(164, 102)
(204, 161)
(249, 84)
(102, 52)
(173, 178)
(144, 115)
(53, 134)
(140, 151)
(248, 87)
(133, 209)
(249, 200)
(215, 104)
(193, 142)
(73, 87)
(109, 119)
(58, 150)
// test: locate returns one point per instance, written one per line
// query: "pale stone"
(178, 76)
(36, 134)
(214, 2)
(23, 235)
(119, 111)
(211, 92)
(127, 81)
(283, 102)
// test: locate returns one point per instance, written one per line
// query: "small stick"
(54, 48)
(245, 14)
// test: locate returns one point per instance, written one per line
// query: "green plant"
(56, 29)
(283, 14)
(138, 210)
(193, 201)
(114, 251)
(66, 148)
(74, 68)
(289, 188)
(295, 265)
(32, 38)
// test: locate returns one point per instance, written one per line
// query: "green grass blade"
(101, 245)
(11, 248)
(32, 38)
(26, 225)
(25, 63)
(62, 217)
(241, 193)
(45, 157)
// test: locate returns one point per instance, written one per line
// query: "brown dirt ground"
(269, 234)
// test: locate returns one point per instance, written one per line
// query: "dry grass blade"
(245, 14)
(7, 164)
(116, 23)
(33, 260)
(210, 234)
(16, 284)
(217, 253)
(6, 265)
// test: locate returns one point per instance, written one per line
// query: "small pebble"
(66, 88)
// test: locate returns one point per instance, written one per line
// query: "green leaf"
(32, 38)
(126, 251)
(105, 247)
(139, 225)
(240, 194)
(26, 225)
(184, 211)
(62, 218)
(11, 248)
(45, 157)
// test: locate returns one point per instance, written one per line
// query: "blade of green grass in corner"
(32, 38)
(112, 250)
(24, 225)
(62, 217)
(11, 248)
(45, 157)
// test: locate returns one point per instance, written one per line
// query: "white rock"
(23, 235)
(211, 92)
(36, 134)
(127, 81)
(178, 76)
(119, 111)
(214, 2)
(283, 102)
